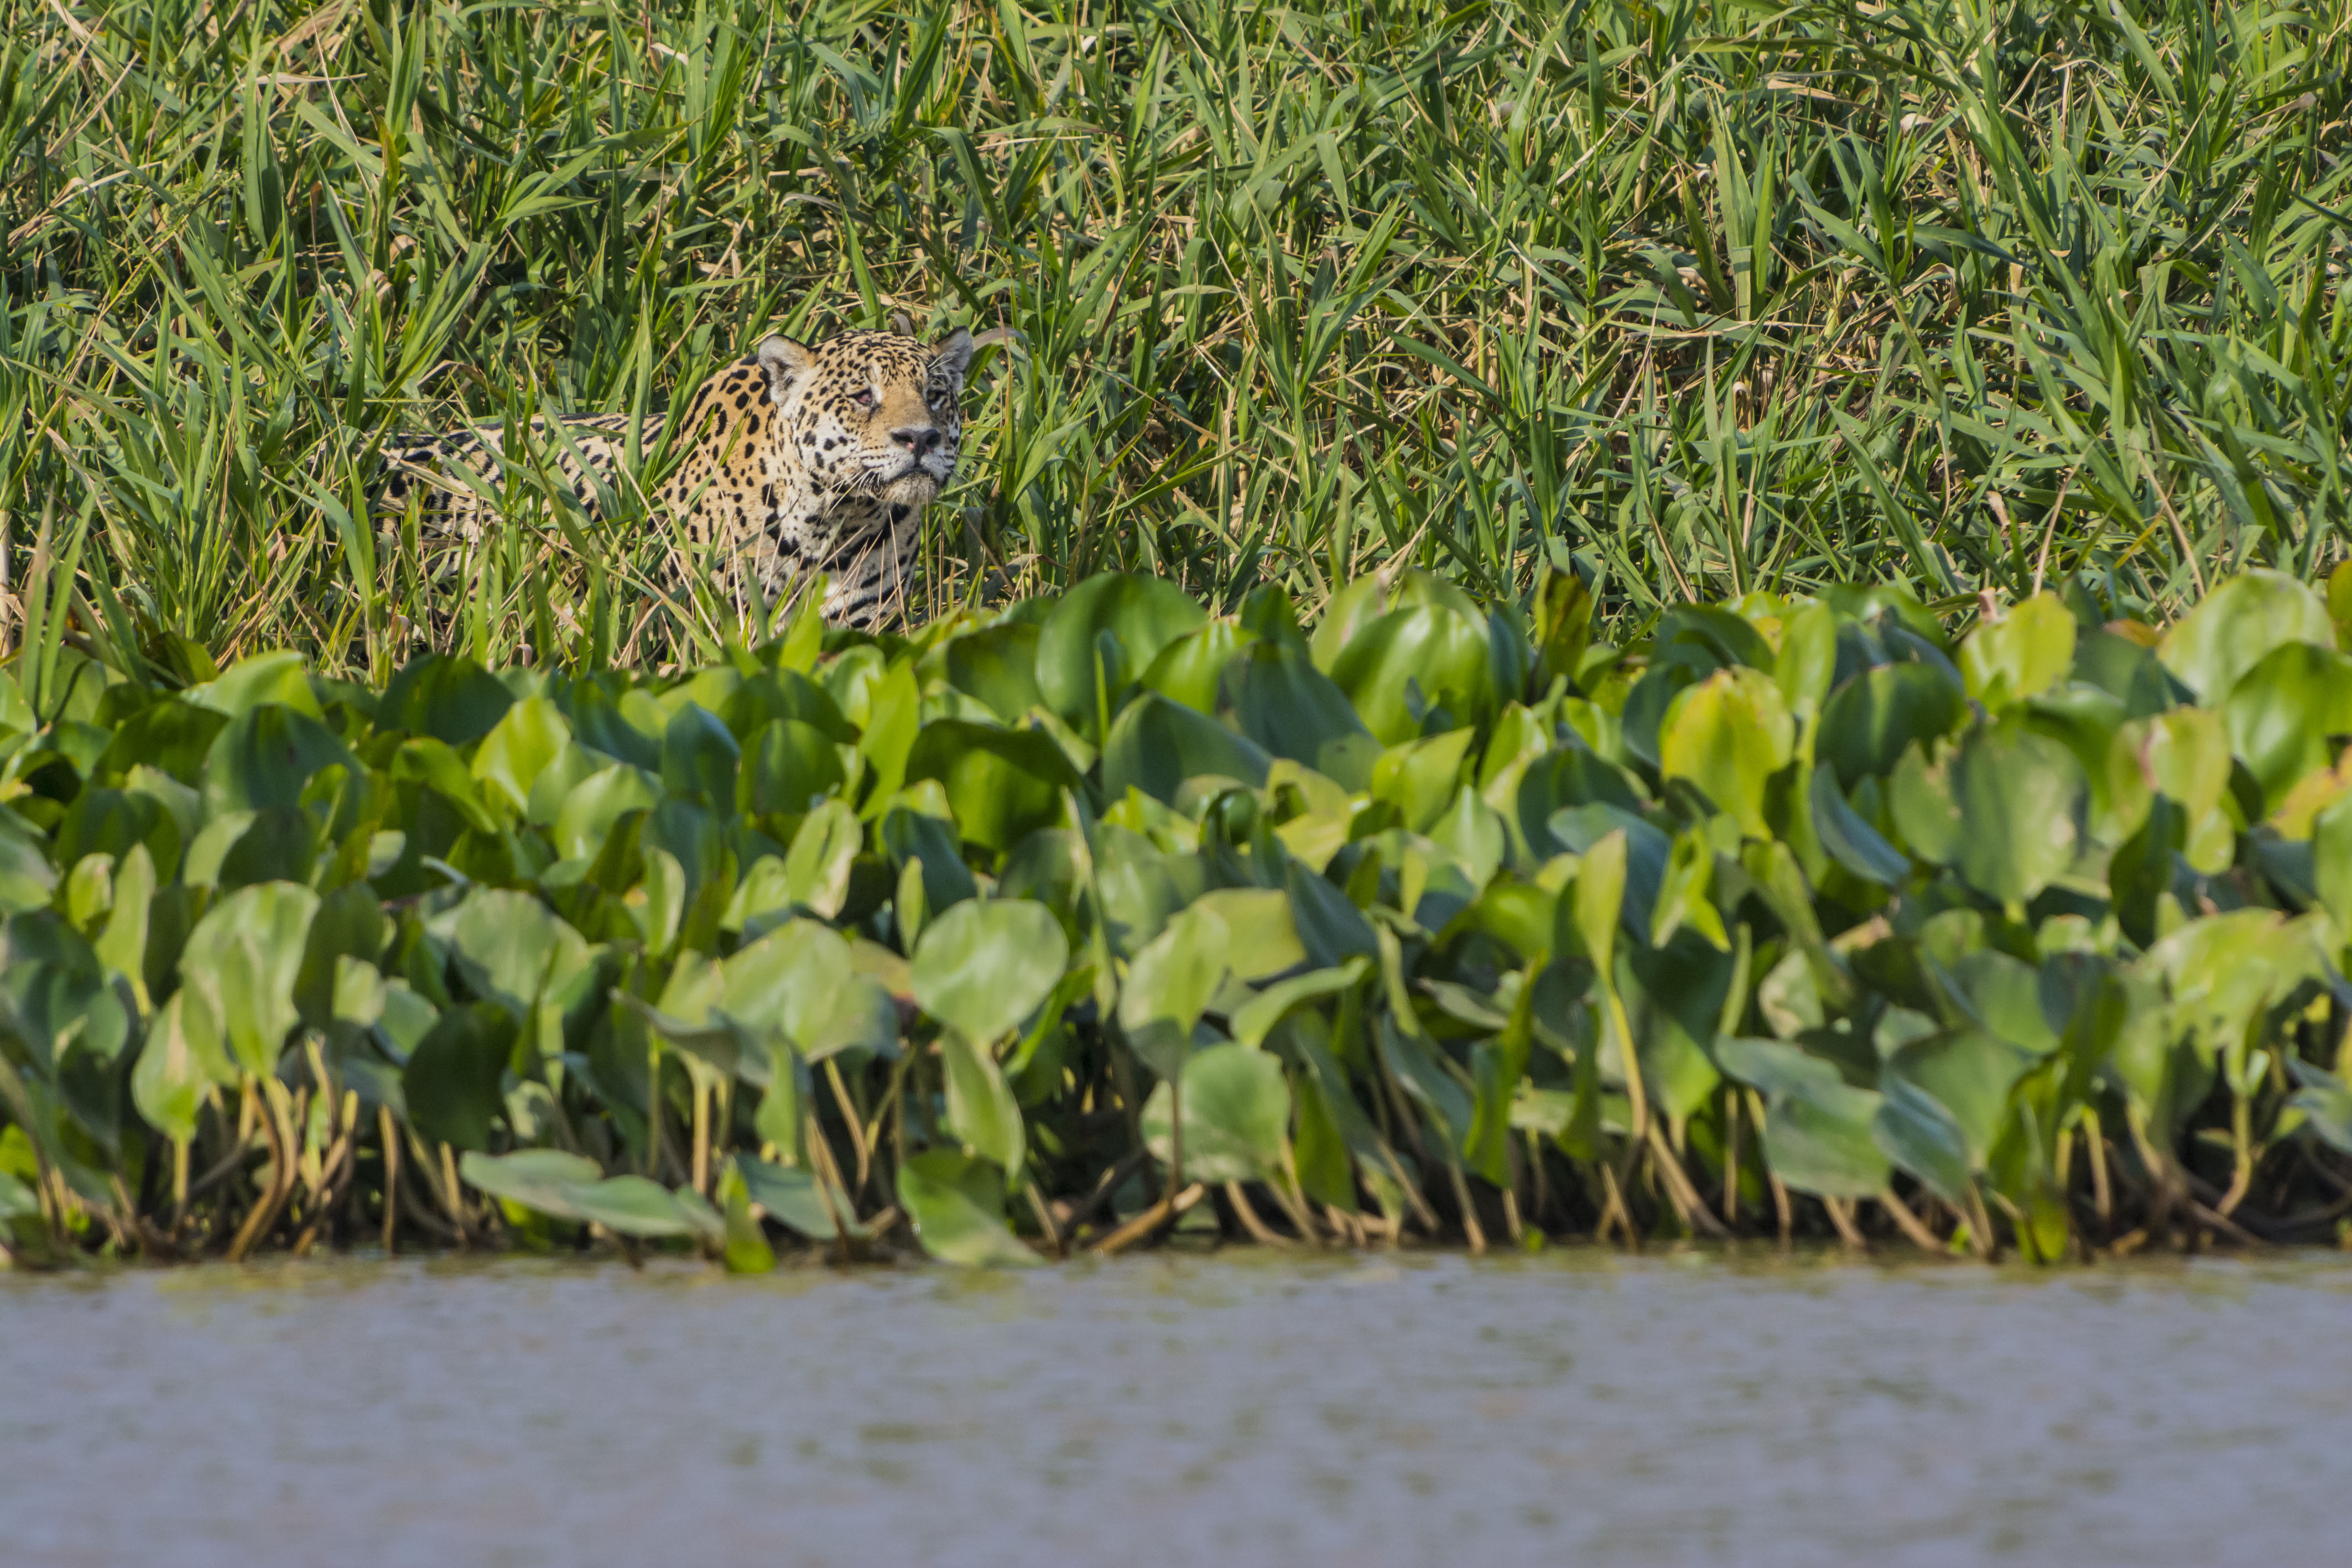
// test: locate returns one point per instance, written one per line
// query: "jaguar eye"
(863, 398)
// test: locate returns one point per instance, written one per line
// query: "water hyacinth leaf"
(1280, 701)
(794, 1200)
(452, 1080)
(1806, 665)
(1848, 840)
(454, 700)
(1915, 1131)
(273, 677)
(1967, 1073)
(1331, 928)
(1187, 669)
(1681, 894)
(637, 1205)
(349, 924)
(121, 944)
(956, 1204)
(243, 958)
(1728, 734)
(817, 866)
(1156, 745)
(1169, 986)
(981, 1109)
(2018, 799)
(700, 757)
(1820, 1141)
(2331, 857)
(996, 665)
(1419, 778)
(927, 846)
(1262, 940)
(2281, 714)
(265, 757)
(1001, 784)
(532, 734)
(1414, 659)
(513, 950)
(1237, 1112)
(586, 819)
(2021, 654)
(539, 1179)
(1875, 717)
(1140, 614)
(1581, 830)
(981, 968)
(2325, 1104)
(2237, 625)
(1256, 1019)
(182, 1059)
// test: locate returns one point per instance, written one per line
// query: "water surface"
(1240, 1409)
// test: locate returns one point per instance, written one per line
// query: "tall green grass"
(1714, 296)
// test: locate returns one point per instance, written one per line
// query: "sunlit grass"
(1713, 296)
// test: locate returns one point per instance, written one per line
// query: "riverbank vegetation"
(1100, 919)
(1963, 295)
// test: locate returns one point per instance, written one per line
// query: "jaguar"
(801, 459)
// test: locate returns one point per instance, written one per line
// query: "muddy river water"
(1575, 1408)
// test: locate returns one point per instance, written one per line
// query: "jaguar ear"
(952, 354)
(785, 362)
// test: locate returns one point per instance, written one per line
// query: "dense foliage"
(1721, 296)
(1042, 928)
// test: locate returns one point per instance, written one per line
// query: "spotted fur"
(801, 459)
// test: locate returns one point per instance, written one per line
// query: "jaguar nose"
(918, 439)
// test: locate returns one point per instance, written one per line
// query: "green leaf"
(454, 700)
(1001, 784)
(1170, 983)
(1186, 670)
(789, 767)
(981, 968)
(1155, 746)
(1236, 1109)
(1141, 615)
(636, 1206)
(1282, 704)
(956, 1204)
(183, 1058)
(2237, 625)
(264, 678)
(518, 748)
(265, 757)
(981, 1110)
(817, 867)
(799, 980)
(2005, 809)
(1915, 1131)
(700, 757)
(349, 924)
(515, 951)
(2325, 1104)
(2281, 714)
(1728, 734)
(2022, 654)
(1821, 1142)
(452, 1081)
(1850, 841)
(540, 1179)
(591, 808)
(1413, 659)
(997, 666)
(1257, 1018)
(794, 1200)
(243, 958)
(1967, 1073)
(1262, 940)
(1873, 719)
